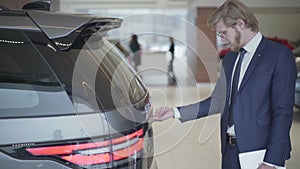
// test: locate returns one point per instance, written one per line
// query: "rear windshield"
(21, 62)
(37, 79)
(101, 74)
(28, 87)
(93, 73)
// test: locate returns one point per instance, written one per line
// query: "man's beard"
(236, 44)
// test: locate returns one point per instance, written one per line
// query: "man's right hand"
(161, 114)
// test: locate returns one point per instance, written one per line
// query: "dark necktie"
(235, 84)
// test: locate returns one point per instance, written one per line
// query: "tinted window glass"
(28, 87)
(21, 62)
(94, 75)
(106, 76)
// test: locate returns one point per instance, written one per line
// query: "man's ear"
(240, 24)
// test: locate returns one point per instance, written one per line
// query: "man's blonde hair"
(230, 11)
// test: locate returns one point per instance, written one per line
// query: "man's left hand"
(264, 166)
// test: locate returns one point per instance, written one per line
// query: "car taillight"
(95, 153)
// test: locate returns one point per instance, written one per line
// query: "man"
(254, 94)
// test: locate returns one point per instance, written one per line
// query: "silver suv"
(67, 98)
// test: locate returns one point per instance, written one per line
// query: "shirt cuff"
(271, 165)
(176, 113)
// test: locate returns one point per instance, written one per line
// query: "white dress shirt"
(250, 47)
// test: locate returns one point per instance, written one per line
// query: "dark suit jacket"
(263, 110)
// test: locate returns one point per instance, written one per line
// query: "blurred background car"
(67, 98)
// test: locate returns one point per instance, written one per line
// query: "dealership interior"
(194, 144)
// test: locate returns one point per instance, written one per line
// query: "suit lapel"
(256, 57)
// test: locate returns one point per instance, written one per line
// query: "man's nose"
(224, 40)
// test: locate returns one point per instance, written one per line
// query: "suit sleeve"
(282, 95)
(212, 105)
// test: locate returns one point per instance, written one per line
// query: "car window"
(94, 74)
(28, 87)
(21, 63)
(115, 83)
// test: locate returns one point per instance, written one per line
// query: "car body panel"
(59, 24)
(34, 130)
(16, 20)
(12, 163)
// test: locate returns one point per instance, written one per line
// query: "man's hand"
(161, 114)
(264, 166)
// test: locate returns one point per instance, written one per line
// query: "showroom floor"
(194, 144)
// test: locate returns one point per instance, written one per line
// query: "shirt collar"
(252, 45)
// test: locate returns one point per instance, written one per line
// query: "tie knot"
(242, 51)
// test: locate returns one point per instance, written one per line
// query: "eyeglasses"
(222, 34)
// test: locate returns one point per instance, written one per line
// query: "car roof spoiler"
(38, 5)
(62, 28)
(65, 28)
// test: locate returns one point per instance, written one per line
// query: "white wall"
(283, 23)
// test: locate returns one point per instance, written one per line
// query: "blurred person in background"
(135, 48)
(172, 78)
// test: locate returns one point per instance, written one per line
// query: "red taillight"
(96, 152)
